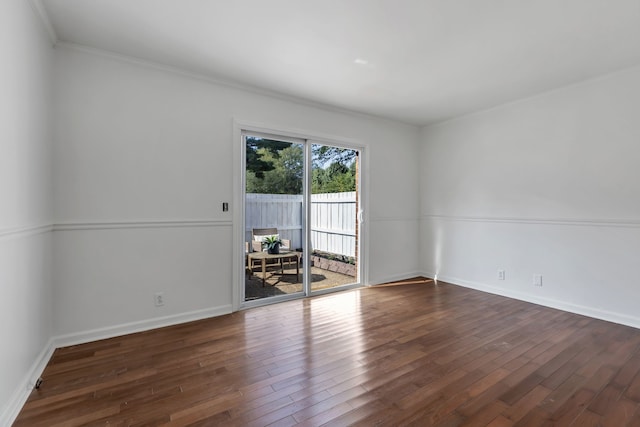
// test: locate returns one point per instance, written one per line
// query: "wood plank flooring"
(414, 353)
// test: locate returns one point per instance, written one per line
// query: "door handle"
(360, 216)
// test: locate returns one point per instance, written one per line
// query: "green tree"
(324, 154)
(276, 167)
(336, 178)
(255, 162)
(286, 175)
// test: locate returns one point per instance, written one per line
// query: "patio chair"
(257, 234)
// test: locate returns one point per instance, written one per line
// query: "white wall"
(547, 185)
(136, 145)
(25, 201)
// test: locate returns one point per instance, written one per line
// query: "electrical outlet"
(501, 274)
(537, 280)
(158, 299)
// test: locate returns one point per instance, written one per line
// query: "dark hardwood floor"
(405, 354)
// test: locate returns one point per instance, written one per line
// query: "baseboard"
(17, 401)
(595, 313)
(140, 326)
(429, 274)
(395, 278)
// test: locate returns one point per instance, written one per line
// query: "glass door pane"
(334, 205)
(274, 212)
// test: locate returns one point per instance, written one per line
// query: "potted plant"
(272, 243)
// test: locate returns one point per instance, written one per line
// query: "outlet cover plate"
(537, 280)
(158, 299)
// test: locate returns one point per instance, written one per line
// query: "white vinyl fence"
(333, 219)
(333, 223)
(281, 211)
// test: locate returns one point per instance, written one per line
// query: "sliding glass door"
(301, 205)
(333, 224)
(274, 216)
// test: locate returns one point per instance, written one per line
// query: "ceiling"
(416, 61)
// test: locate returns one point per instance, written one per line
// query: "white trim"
(139, 326)
(22, 392)
(141, 224)
(43, 16)
(394, 219)
(580, 222)
(70, 226)
(265, 135)
(363, 211)
(246, 305)
(277, 131)
(239, 233)
(396, 278)
(25, 231)
(307, 274)
(347, 287)
(107, 225)
(595, 313)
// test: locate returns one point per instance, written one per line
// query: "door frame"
(238, 207)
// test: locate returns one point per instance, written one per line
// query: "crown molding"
(43, 16)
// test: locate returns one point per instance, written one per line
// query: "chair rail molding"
(581, 222)
(24, 231)
(105, 225)
(392, 219)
